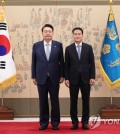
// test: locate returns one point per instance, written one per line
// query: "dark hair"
(77, 28)
(47, 25)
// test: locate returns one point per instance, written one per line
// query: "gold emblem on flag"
(118, 47)
(111, 32)
(106, 49)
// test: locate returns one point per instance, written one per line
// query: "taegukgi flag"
(7, 65)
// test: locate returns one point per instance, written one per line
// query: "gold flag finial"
(111, 17)
(3, 2)
(110, 1)
(2, 13)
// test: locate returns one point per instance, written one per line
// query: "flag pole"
(111, 99)
(3, 3)
(111, 19)
(2, 98)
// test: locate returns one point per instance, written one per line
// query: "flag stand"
(5, 112)
(111, 111)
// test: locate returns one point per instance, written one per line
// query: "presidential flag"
(110, 54)
(7, 65)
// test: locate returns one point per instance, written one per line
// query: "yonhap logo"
(95, 121)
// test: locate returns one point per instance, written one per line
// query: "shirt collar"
(48, 43)
(78, 44)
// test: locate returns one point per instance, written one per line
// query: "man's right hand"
(67, 83)
(34, 81)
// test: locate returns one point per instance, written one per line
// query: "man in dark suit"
(79, 73)
(47, 73)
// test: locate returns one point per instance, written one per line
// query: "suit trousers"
(85, 93)
(53, 90)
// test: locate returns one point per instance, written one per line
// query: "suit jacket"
(41, 67)
(74, 67)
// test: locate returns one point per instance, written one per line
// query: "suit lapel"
(82, 51)
(52, 50)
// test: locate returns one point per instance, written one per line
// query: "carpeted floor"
(32, 128)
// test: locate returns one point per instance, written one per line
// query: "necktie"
(79, 51)
(47, 51)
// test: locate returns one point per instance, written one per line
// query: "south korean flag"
(7, 65)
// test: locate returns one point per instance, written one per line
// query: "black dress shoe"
(85, 126)
(55, 127)
(74, 126)
(43, 128)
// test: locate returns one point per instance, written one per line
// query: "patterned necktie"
(47, 51)
(79, 51)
